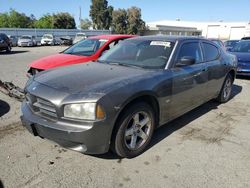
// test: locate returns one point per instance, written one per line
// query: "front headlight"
(83, 111)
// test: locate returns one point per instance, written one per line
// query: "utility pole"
(80, 15)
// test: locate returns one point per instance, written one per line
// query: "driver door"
(189, 81)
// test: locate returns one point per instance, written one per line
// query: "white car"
(48, 39)
(79, 37)
(27, 40)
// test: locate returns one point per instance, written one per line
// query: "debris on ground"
(8, 88)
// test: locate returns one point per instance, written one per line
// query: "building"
(220, 30)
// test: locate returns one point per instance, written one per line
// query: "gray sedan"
(118, 102)
(27, 40)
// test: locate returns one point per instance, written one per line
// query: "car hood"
(242, 57)
(47, 39)
(58, 60)
(89, 78)
(24, 40)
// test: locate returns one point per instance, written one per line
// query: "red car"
(84, 51)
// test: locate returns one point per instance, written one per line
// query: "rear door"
(215, 66)
(189, 82)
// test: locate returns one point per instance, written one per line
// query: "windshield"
(218, 42)
(231, 43)
(243, 46)
(47, 36)
(86, 47)
(80, 35)
(148, 54)
(25, 37)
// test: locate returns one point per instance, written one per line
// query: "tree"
(119, 21)
(18, 20)
(4, 19)
(32, 19)
(101, 14)
(63, 20)
(44, 22)
(85, 23)
(135, 23)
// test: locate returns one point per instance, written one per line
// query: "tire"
(226, 90)
(8, 49)
(133, 130)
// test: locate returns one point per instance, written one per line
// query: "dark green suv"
(5, 43)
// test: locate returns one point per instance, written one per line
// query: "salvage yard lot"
(207, 147)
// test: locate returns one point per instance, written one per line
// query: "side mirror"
(185, 61)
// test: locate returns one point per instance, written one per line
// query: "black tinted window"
(210, 52)
(191, 49)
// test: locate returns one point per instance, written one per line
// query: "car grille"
(41, 107)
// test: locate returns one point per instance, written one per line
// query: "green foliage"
(119, 21)
(85, 23)
(45, 22)
(4, 20)
(128, 21)
(101, 14)
(63, 20)
(15, 19)
(135, 23)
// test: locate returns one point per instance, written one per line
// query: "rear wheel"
(134, 130)
(226, 90)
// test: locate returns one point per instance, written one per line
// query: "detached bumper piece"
(11, 90)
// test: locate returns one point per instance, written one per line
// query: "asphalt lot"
(207, 147)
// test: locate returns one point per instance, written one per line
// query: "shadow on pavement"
(1, 184)
(243, 77)
(169, 128)
(4, 108)
(166, 130)
(14, 52)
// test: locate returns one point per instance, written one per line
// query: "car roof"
(112, 37)
(168, 38)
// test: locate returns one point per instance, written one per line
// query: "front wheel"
(226, 90)
(134, 130)
(8, 49)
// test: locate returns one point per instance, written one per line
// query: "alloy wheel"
(138, 130)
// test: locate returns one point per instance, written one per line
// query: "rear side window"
(191, 49)
(211, 52)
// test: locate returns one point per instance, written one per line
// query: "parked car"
(229, 44)
(13, 40)
(245, 38)
(87, 50)
(66, 40)
(48, 39)
(27, 40)
(118, 101)
(79, 37)
(242, 51)
(5, 43)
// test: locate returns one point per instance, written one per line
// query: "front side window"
(191, 49)
(86, 47)
(210, 52)
(147, 54)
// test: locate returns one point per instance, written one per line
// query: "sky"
(152, 10)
